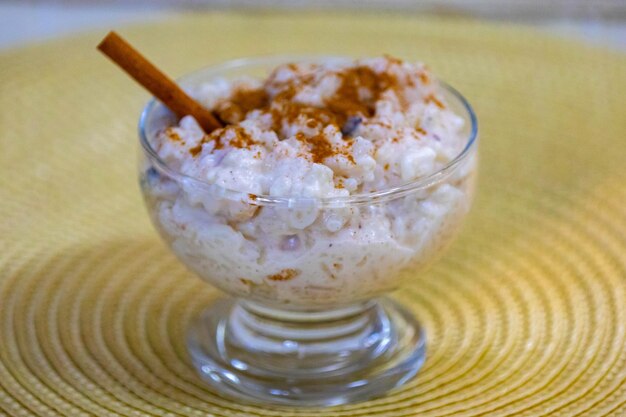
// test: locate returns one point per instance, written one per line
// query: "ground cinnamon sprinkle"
(358, 92)
(213, 136)
(172, 135)
(283, 110)
(242, 138)
(196, 150)
(359, 89)
(240, 103)
(321, 148)
(432, 99)
(284, 275)
(393, 59)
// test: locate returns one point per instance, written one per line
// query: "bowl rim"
(293, 201)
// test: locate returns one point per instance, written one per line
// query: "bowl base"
(262, 355)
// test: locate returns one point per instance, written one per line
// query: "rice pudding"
(274, 206)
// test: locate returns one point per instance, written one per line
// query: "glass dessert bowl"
(307, 233)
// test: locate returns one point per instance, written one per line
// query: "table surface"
(27, 23)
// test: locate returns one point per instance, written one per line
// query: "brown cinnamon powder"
(169, 132)
(284, 275)
(196, 150)
(242, 138)
(240, 103)
(359, 89)
(432, 99)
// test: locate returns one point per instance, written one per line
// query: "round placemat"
(525, 315)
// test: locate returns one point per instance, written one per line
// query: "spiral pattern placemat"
(525, 315)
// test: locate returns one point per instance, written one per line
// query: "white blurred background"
(601, 22)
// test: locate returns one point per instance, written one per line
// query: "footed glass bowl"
(306, 322)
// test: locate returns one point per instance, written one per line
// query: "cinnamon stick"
(155, 81)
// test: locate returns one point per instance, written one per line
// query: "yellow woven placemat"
(526, 315)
